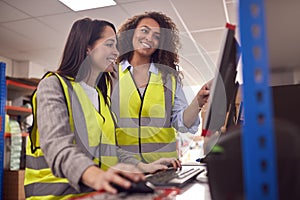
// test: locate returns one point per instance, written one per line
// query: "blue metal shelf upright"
(258, 147)
(2, 120)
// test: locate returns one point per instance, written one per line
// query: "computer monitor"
(286, 103)
(220, 112)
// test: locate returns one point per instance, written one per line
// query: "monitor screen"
(220, 113)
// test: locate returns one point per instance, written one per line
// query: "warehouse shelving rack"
(259, 158)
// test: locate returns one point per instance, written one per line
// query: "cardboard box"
(13, 185)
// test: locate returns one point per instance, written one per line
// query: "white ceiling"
(36, 30)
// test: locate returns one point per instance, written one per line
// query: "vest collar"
(126, 65)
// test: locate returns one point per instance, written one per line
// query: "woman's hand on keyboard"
(169, 162)
(160, 164)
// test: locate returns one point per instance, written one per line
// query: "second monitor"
(220, 111)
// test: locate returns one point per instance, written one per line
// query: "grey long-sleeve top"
(65, 159)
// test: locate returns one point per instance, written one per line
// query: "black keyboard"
(172, 177)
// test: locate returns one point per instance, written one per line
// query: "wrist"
(200, 107)
(141, 166)
(196, 104)
(91, 176)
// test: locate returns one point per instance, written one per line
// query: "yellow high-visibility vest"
(97, 139)
(144, 123)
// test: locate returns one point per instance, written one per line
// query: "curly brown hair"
(167, 52)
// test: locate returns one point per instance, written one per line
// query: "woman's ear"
(88, 50)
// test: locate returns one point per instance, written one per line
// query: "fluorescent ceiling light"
(78, 5)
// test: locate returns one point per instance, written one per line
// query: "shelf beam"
(18, 86)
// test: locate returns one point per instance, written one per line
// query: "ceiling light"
(78, 5)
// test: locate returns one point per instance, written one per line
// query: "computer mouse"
(136, 187)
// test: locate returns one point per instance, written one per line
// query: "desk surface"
(190, 191)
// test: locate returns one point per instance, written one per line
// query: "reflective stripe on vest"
(54, 191)
(93, 131)
(144, 123)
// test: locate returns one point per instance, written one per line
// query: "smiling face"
(103, 52)
(146, 37)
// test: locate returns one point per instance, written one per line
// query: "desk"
(194, 189)
(190, 191)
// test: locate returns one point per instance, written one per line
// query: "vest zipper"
(100, 142)
(140, 113)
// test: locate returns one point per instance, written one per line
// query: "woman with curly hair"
(148, 98)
